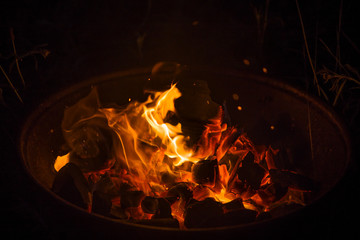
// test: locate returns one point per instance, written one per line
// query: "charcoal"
(205, 172)
(234, 205)
(251, 173)
(272, 193)
(180, 190)
(228, 138)
(201, 192)
(160, 222)
(168, 179)
(164, 209)
(89, 152)
(70, 184)
(195, 107)
(206, 213)
(293, 180)
(87, 133)
(263, 216)
(101, 203)
(105, 185)
(284, 209)
(131, 198)
(240, 216)
(171, 200)
(118, 212)
(150, 205)
(171, 118)
(186, 166)
(195, 102)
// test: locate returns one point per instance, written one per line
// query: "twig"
(336, 59)
(310, 131)
(338, 34)
(351, 43)
(339, 92)
(11, 85)
(16, 56)
(307, 49)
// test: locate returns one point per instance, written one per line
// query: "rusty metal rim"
(271, 82)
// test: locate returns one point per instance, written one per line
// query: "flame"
(61, 161)
(151, 151)
(146, 140)
(171, 136)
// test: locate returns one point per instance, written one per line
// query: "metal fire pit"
(272, 113)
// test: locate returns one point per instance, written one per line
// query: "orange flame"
(149, 149)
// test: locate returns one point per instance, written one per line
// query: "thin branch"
(16, 56)
(310, 131)
(338, 34)
(307, 48)
(351, 43)
(11, 85)
(339, 92)
(336, 59)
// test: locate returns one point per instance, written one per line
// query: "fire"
(153, 156)
(171, 136)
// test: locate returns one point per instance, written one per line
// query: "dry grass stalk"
(11, 85)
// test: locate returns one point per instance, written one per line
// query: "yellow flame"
(171, 135)
(61, 161)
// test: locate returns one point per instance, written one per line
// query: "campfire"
(173, 160)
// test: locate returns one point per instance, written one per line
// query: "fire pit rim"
(263, 79)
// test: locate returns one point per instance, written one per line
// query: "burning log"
(71, 185)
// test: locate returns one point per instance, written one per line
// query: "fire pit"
(294, 143)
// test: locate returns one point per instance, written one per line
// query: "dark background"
(87, 38)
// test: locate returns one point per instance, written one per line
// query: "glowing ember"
(155, 170)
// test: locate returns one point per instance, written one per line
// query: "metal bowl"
(309, 133)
